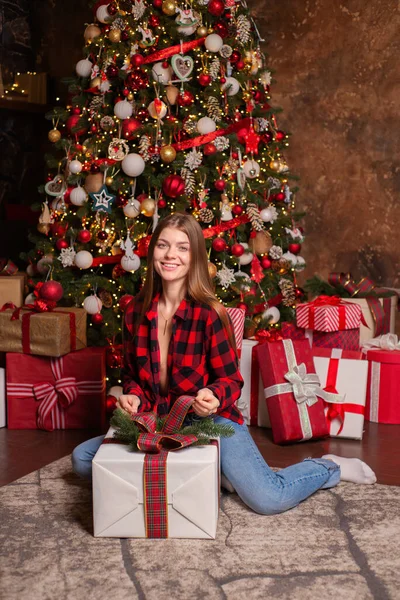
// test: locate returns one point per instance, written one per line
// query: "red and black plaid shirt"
(200, 355)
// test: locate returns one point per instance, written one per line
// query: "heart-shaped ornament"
(182, 66)
(55, 187)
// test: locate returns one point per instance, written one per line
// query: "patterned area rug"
(342, 543)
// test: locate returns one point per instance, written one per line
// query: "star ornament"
(252, 140)
(102, 199)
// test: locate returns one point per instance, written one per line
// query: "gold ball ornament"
(201, 31)
(210, 30)
(93, 182)
(109, 181)
(274, 165)
(246, 96)
(114, 36)
(147, 207)
(167, 154)
(43, 228)
(91, 32)
(130, 96)
(95, 82)
(261, 243)
(54, 135)
(168, 7)
(212, 270)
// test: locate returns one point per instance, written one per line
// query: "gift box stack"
(52, 380)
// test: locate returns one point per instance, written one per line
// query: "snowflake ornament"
(263, 124)
(193, 159)
(221, 143)
(138, 9)
(226, 276)
(275, 252)
(67, 257)
(265, 78)
(117, 149)
(273, 183)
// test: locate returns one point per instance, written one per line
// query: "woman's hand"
(129, 403)
(205, 403)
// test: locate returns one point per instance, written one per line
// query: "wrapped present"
(383, 388)
(2, 398)
(237, 316)
(292, 390)
(53, 333)
(252, 402)
(328, 313)
(379, 315)
(7, 267)
(344, 373)
(347, 339)
(12, 289)
(156, 493)
(57, 393)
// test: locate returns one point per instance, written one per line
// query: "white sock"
(353, 469)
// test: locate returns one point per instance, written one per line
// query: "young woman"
(179, 341)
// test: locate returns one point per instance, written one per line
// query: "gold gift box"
(12, 288)
(49, 332)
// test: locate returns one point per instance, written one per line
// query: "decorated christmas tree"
(169, 111)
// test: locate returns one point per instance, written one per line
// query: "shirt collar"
(182, 311)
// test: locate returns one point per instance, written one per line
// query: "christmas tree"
(169, 111)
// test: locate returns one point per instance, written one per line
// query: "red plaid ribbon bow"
(156, 445)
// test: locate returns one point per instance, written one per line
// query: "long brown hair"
(200, 287)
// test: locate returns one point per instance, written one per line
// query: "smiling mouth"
(169, 266)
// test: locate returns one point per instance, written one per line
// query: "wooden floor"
(24, 451)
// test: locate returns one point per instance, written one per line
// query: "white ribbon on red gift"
(387, 341)
(305, 387)
(54, 397)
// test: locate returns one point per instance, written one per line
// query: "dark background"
(338, 81)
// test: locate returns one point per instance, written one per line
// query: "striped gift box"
(237, 316)
(328, 317)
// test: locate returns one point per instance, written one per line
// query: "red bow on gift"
(64, 392)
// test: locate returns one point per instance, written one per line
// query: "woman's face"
(172, 255)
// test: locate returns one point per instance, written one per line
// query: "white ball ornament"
(161, 112)
(30, 299)
(132, 209)
(206, 125)
(30, 270)
(214, 42)
(83, 67)
(44, 264)
(78, 196)
(75, 167)
(133, 165)
(103, 15)
(292, 258)
(161, 74)
(83, 259)
(251, 169)
(123, 109)
(272, 314)
(300, 263)
(266, 215)
(92, 304)
(247, 257)
(231, 86)
(130, 263)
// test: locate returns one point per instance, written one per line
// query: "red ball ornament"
(185, 99)
(209, 149)
(258, 97)
(237, 250)
(102, 236)
(221, 28)
(137, 60)
(294, 248)
(130, 127)
(204, 79)
(222, 80)
(76, 110)
(112, 9)
(235, 57)
(61, 244)
(216, 7)
(125, 92)
(162, 203)
(154, 21)
(219, 244)
(220, 184)
(51, 290)
(280, 196)
(121, 201)
(299, 293)
(124, 301)
(137, 80)
(93, 128)
(240, 65)
(58, 230)
(280, 136)
(241, 305)
(112, 72)
(94, 168)
(111, 404)
(124, 35)
(67, 194)
(235, 154)
(97, 319)
(173, 186)
(84, 236)
(237, 210)
(71, 123)
(267, 137)
(157, 3)
(265, 262)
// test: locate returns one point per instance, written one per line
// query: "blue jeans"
(263, 490)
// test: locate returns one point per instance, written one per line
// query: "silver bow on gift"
(304, 385)
(387, 341)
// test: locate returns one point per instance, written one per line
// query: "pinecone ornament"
(275, 252)
(206, 215)
(287, 288)
(254, 215)
(281, 266)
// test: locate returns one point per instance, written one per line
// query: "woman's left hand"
(205, 403)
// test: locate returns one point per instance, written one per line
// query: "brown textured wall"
(338, 81)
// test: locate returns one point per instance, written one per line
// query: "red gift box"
(328, 313)
(347, 339)
(57, 393)
(383, 387)
(292, 391)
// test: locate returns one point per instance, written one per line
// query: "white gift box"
(366, 333)
(192, 484)
(2, 398)
(351, 383)
(252, 402)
